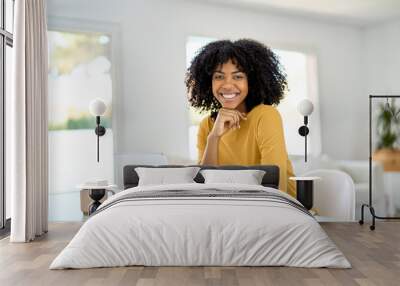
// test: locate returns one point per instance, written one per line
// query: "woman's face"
(229, 86)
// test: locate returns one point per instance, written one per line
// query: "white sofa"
(359, 172)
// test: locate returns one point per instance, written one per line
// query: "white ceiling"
(357, 12)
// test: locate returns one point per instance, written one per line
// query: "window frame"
(6, 39)
(78, 25)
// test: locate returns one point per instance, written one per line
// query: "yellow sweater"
(259, 141)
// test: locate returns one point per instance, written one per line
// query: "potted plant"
(387, 151)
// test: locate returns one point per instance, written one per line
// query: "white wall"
(382, 62)
(382, 57)
(73, 159)
(152, 103)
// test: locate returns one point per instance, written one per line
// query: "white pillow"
(164, 176)
(249, 177)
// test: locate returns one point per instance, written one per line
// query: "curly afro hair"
(266, 78)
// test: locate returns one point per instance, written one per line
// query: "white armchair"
(358, 170)
(334, 194)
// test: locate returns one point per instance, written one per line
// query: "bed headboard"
(270, 179)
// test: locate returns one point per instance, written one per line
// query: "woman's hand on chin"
(226, 120)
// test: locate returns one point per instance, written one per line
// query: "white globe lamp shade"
(97, 107)
(305, 107)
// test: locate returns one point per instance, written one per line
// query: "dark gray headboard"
(270, 179)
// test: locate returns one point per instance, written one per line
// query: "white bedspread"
(200, 231)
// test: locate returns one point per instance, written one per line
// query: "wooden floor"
(374, 255)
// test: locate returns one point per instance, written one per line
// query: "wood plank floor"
(375, 256)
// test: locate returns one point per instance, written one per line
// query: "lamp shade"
(97, 107)
(305, 107)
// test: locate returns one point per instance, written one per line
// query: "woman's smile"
(229, 85)
(230, 96)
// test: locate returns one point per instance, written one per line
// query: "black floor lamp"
(369, 205)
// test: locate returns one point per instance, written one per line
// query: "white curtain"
(28, 123)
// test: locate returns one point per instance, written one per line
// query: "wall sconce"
(305, 108)
(97, 108)
(305, 185)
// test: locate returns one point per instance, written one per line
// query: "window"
(302, 81)
(80, 69)
(6, 43)
(193, 45)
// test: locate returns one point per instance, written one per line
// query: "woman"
(239, 83)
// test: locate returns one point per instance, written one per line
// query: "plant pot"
(390, 159)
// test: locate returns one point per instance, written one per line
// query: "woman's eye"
(238, 77)
(218, 77)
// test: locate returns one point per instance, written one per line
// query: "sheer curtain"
(28, 123)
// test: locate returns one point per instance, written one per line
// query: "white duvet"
(200, 231)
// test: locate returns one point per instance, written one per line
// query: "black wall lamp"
(305, 185)
(97, 108)
(305, 108)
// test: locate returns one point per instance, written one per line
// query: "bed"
(201, 224)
